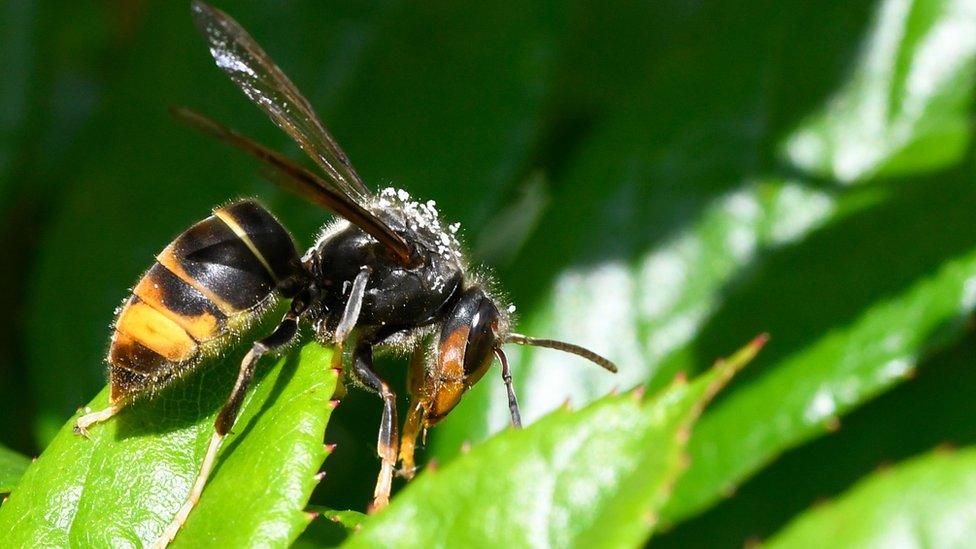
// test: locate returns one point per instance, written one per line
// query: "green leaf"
(12, 467)
(350, 520)
(808, 387)
(592, 478)
(646, 313)
(330, 528)
(926, 502)
(906, 106)
(658, 210)
(123, 485)
(695, 242)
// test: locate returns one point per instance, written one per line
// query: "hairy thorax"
(399, 300)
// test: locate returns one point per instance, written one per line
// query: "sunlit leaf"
(123, 485)
(684, 251)
(596, 477)
(905, 108)
(926, 502)
(917, 300)
(904, 422)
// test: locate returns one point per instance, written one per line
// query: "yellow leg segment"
(208, 462)
(90, 418)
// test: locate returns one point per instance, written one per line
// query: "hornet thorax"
(398, 298)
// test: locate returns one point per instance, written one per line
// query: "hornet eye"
(482, 337)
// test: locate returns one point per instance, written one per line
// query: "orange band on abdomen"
(155, 331)
(201, 327)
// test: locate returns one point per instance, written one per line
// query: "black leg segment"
(282, 335)
(387, 440)
(513, 406)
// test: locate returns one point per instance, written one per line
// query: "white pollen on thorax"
(422, 218)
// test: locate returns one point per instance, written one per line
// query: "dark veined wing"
(238, 55)
(303, 182)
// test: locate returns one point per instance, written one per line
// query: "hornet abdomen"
(206, 283)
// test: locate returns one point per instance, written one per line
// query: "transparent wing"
(238, 55)
(303, 182)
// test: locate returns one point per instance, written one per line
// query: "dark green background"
(565, 137)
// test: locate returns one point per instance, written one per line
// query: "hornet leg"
(411, 427)
(281, 335)
(350, 315)
(90, 418)
(386, 444)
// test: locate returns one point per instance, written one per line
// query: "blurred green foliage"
(659, 181)
(12, 466)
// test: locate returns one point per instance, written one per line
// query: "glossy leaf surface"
(905, 107)
(929, 501)
(122, 486)
(596, 477)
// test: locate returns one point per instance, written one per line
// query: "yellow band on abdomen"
(156, 332)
